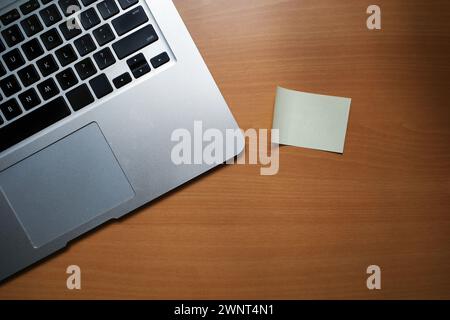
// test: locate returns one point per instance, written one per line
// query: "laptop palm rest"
(65, 185)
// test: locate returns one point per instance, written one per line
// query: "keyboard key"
(104, 58)
(33, 122)
(47, 65)
(88, 2)
(28, 75)
(48, 89)
(134, 42)
(50, 15)
(67, 79)
(101, 86)
(11, 109)
(142, 70)
(159, 60)
(29, 99)
(2, 46)
(122, 80)
(32, 49)
(103, 35)
(70, 29)
(66, 55)
(136, 61)
(85, 68)
(44, 2)
(31, 25)
(80, 97)
(10, 17)
(12, 36)
(13, 59)
(138, 65)
(125, 4)
(108, 9)
(29, 7)
(69, 7)
(2, 70)
(130, 20)
(51, 39)
(85, 45)
(10, 85)
(89, 19)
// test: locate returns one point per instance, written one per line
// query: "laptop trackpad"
(66, 185)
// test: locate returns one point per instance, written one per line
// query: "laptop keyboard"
(55, 57)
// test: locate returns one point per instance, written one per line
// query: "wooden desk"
(312, 230)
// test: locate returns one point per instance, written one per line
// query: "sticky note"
(311, 120)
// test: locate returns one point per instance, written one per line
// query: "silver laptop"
(90, 93)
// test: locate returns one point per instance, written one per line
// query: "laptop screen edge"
(5, 3)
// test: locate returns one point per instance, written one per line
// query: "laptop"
(90, 94)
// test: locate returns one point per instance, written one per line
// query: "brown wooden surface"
(312, 230)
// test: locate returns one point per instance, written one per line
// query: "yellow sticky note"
(311, 120)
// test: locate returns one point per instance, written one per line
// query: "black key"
(122, 80)
(10, 85)
(12, 36)
(104, 58)
(103, 35)
(69, 7)
(67, 79)
(101, 86)
(136, 61)
(135, 41)
(44, 2)
(89, 19)
(28, 75)
(159, 60)
(29, 7)
(50, 15)
(70, 29)
(33, 122)
(47, 65)
(88, 2)
(85, 45)
(125, 4)
(130, 20)
(108, 9)
(13, 59)
(66, 55)
(142, 70)
(2, 46)
(29, 99)
(51, 39)
(32, 49)
(31, 25)
(10, 109)
(10, 17)
(85, 68)
(2, 70)
(80, 97)
(48, 89)
(138, 65)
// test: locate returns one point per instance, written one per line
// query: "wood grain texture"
(312, 230)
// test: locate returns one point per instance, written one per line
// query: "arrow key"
(143, 69)
(159, 60)
(122, 80)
